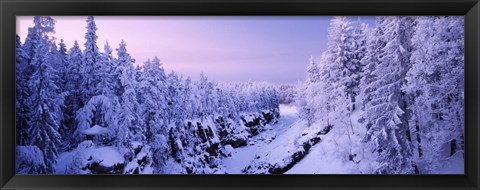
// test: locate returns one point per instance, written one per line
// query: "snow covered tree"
(354, 65)
(91, 62)
(387, 121)
(45, 114)
(43, 29)
(120, 66)
(335, 74)
(346, 43)
(39, 34)
(310, 91)
(100, 111)
(22, 92)
(52, 59)
(58, 60)
(205, 97)
(313, 73)
(436, 83)
(105, 72)
(173, 104)
(187, 98)
(375, 41)
(128, 98)
(320, 101)
(287, 93)
(153, 90)
(62, 69)
(72, 100)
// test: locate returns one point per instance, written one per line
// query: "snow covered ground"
(326, 157)
(280, 135)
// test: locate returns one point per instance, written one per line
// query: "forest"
(382, 99)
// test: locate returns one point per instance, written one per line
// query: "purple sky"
(275, 49)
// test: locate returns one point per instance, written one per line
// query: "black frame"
(10, 8)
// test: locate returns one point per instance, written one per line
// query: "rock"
(213, 149)
(236, 142)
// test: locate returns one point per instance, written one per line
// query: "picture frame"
(11, 8)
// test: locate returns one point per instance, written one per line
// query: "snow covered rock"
(140, 162)
(89, 159)
(282, 158)
(231, 133)
(255, 122)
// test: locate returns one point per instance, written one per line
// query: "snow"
(32, 153)
(87, 152)
(63, 160)
(284, 133)
(331, 155)
(321, 161)
(228, 149)
(288, 110)
(96, 130)
(29, 157)
(249, 118)
(453, 165)
(136, 144)
(107, 156)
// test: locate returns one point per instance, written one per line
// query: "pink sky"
(273, 49)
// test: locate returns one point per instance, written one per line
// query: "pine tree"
(313, 73)
(22, 92)
(105, 85)
(309, 105)
(59, 61)
(121, 65)
(201, 95)
(187, 98)
(91, 63)
(335, 74)
(153, 92)
(73, 100)
(41, 31)
(172, 92)
(128, 98)
(386, 111)
(375, 41)
(355, 65)
(436, 84)
(45, 103)
(63, 66)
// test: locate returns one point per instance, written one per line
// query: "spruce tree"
(45, 114)
(436, 83)
(91, 62)
(387, 121)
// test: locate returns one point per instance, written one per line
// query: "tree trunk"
(419, 140)
(453, 147)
